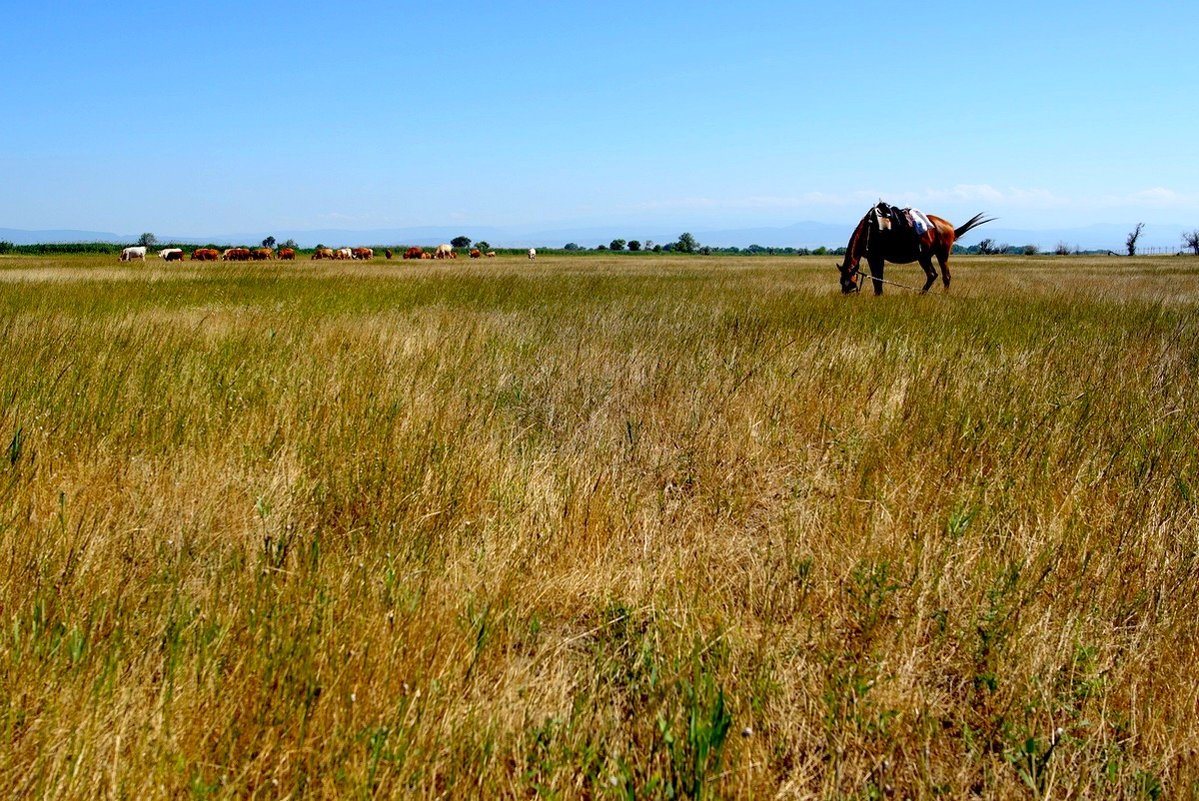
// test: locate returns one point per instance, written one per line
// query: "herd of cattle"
(289, 254)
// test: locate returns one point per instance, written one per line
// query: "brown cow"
(426, 255)
(287, 254)
(322, 253)
(362, 254)
(205, 254)
(491, 254)
(414, 253)
(475, 253)
(236, 254)
(262, 254)
(388, 253)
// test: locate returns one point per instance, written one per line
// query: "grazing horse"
(880, 238)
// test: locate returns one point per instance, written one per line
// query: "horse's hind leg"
(944, 262)
(930, 272)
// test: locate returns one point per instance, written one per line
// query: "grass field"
(616, 527)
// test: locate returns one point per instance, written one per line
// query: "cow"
(426, 255)
(287, 254)
(205, 254)
(236, 254)
(414, 253)
(171, 254)
(362, 254)
(532, 254)
(388, 253)
(443, 252)
(262, 254)
(129, 254)
(491, 254)
(343, 254)
(475, 253)
(322, 253)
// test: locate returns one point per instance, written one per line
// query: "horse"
(881, 237)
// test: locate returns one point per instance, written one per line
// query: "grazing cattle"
(491, 254)
(426, 255)
(171, 254)
(343, 254)
(443, 252)
(205, 254)
(322, 253)
(129, 254)
(236, 254)
(532, 254)
(262, 254)
(287, 254)
(362, 254)
(475, 253)
(414, 253)
(388, 253)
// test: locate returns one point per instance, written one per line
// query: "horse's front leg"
(876, 274)
(930, 272)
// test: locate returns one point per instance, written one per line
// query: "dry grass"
(598, 527)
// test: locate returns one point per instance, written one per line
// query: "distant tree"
(986, 247)
(269, 242)
(319, 246)
(291, 243)
(820, 251)
(1002, 249)
(5, 247)
(1030, 250)
(1133, 236)
(1191, 240)
(634, 244)
(147, 240)
(706, 250)
(571, 246)
(649, 244)
(483, 244)
(1062, 249)
(617, 244)
(686, 243)
(460, 241)
(601, 247)
(656, 248)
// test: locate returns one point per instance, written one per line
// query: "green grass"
(608, 527)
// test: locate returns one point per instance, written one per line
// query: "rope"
(858, 271)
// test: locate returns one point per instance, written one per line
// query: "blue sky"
(213, 117)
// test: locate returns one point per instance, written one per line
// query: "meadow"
(619, 527)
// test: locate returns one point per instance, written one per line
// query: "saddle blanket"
(920, 223)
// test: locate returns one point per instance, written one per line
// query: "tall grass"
(672, 527)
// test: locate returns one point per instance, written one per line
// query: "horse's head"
(849, 277)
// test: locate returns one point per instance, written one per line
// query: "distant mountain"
(1100, 236)
(20, 237)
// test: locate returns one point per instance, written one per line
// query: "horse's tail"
(971, 224)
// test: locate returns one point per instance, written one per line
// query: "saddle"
(886, 217)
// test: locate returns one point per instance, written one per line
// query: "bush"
(5, 247)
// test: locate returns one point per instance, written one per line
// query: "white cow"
(129, 254)
(532, 254)
(344, 253)
(171, 254)
(443, 252)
